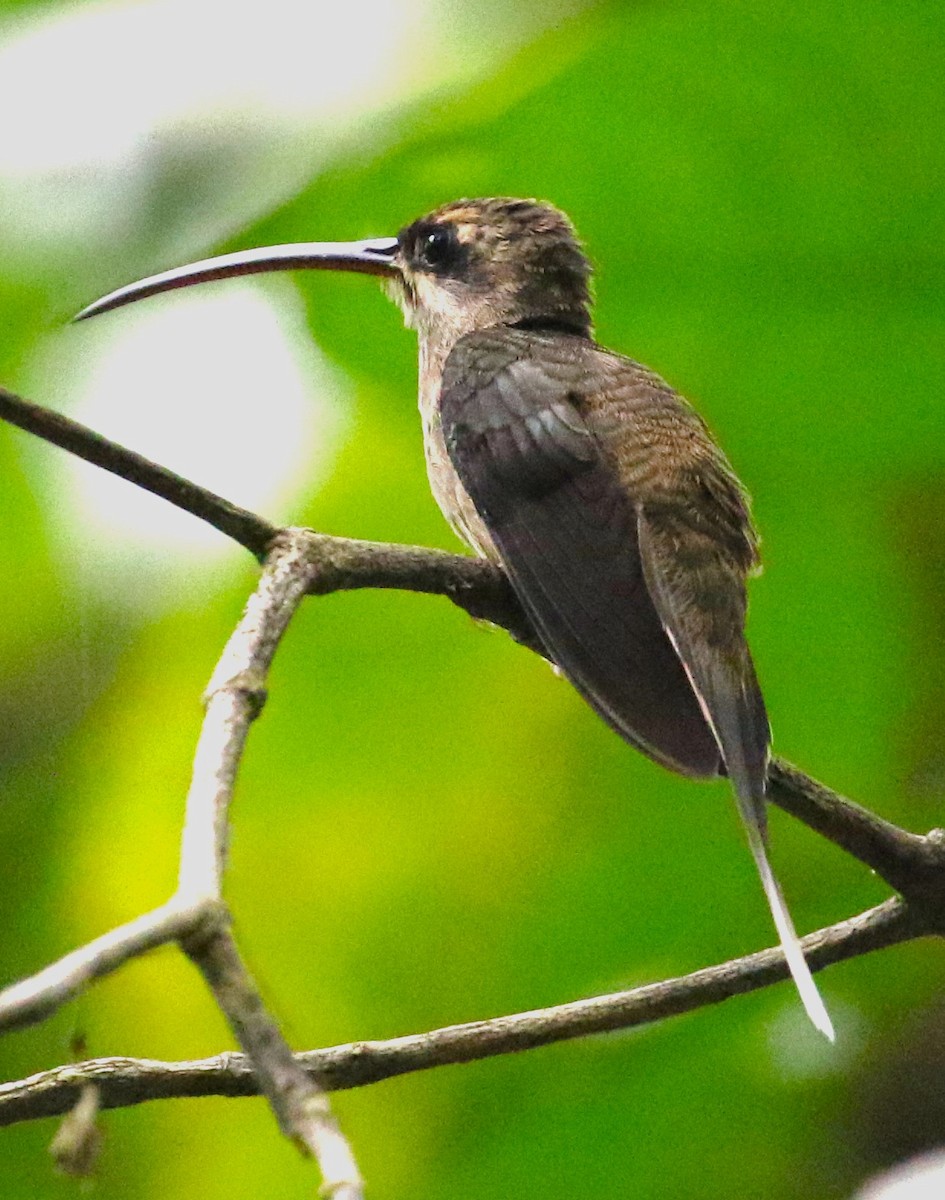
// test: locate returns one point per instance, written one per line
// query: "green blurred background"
(429, 827)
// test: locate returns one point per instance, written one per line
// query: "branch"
(122, 1082)
(912, 865)
(302, 562)
(42, 994)
(244, 527)
(296, 1096)
(475, 585)
(196, 915)
(234, 699)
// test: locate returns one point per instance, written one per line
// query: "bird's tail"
(752, 814)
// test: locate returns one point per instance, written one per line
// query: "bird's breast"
(448, 492)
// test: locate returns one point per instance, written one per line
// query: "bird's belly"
(451, 496)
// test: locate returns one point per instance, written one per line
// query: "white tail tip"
(790, 943)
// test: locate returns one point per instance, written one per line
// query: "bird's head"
(498, 261)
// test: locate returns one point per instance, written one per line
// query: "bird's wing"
(698, 590)
(567, 535)
(627, 540)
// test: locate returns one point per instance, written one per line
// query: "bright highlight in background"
(129, 68)
(218, 384)
(101, 98)
(110, 103)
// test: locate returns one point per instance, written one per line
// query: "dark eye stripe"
(433, 246)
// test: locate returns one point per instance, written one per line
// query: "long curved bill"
(371, 257)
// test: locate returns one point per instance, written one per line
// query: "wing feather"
(636, 585)
(567, 535)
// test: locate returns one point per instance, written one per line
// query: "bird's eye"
(439, 247)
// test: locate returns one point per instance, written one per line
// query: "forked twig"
(298, 563)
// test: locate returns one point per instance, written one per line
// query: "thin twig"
(40, 995)
(296, 1096)
(301, 562)
(124, 1081)
(237, 523)
(912, 864)
(234, 698)
(197, 916)
(479, 587)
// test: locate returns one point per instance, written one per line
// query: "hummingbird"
(597, 488)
